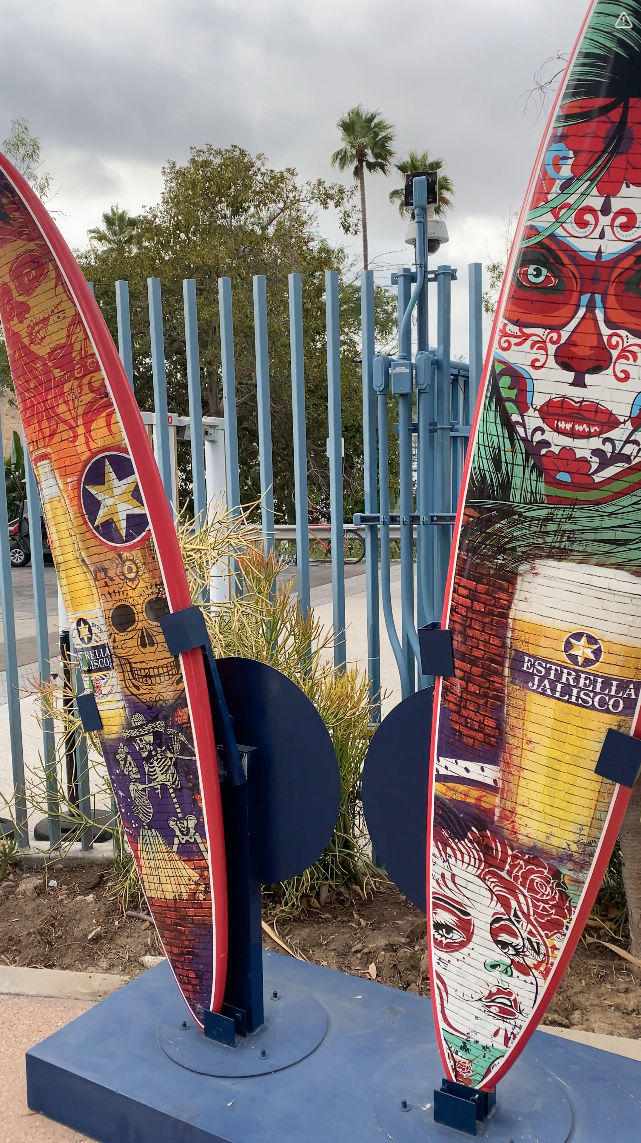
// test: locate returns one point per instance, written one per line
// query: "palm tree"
(118, 231)
(418, 163)
(367, 143)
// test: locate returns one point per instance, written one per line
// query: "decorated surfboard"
(120, 570)
(544, 589)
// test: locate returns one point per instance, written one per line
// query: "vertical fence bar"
(386, 590)
(229, 393)
(124, 329)
(475, 286)
(196, 440)
(11, 674)
(443, 459)
(370, 482)
(42, 641)
(335, 465)
(264, 412)
(82, 773)
(300, 438)
(405, 479)
(161, 427)
(228, 367)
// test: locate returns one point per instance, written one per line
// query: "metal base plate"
(532, 1104)
(106, 1076)
(295, 1024)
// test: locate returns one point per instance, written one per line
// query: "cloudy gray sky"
(113, 88)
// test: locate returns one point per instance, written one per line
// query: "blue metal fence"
(432, 399)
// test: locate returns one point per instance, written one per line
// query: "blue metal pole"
(161, 428)
(335, 465)
(264, 413)
(475, 287)
(82, 772)
(386, 589)
(423, 531)
(443, 446)
(370, 481)
(228, 366)
(405, 478)
(124, 329)
(196, 441)
(300, 439)
(42, 642)
(11, 669)
(229, 393)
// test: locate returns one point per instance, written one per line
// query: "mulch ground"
(65, 916)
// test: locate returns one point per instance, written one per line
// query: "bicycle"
(353, 543)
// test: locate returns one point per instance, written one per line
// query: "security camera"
(437, 234)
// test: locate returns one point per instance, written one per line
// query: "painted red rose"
(544, 888)
(566, 460)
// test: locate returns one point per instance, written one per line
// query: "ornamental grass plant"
(260, 620)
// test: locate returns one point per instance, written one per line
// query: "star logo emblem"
(112, 501)
(84, 631)
(583, 649)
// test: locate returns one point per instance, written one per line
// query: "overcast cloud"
(114, 88)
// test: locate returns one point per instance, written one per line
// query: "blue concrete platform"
(371, 1076)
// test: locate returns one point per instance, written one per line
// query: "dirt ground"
(63, 916)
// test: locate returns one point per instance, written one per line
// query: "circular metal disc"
(295, 1024)
(294, 784)
(395, 780)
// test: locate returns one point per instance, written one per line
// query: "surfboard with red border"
(120, 570)
(544, 591)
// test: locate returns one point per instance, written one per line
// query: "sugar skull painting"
(544, 593)
(119, 571)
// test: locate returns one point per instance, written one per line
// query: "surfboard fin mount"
(461, 1107)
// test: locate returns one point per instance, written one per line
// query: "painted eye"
(535, 276)
(447, 932)
(155, 608)
(506, 937)
(123, 617)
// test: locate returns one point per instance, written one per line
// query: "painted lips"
(578, 419)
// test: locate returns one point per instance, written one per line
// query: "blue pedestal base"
(371, 1077)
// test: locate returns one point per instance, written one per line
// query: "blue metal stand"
(113, 1074)
(290, 763)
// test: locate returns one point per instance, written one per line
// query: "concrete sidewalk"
(34, 1003)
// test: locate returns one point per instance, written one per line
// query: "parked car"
(19, 545)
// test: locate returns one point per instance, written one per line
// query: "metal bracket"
(184, 631)
(461, 1107)
(88, 712)
(620, 758)
(437, 653)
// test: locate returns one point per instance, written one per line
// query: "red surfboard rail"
(119, 566)
(543, 594)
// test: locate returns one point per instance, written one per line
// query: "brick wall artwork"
(119, 569)
(544, 593)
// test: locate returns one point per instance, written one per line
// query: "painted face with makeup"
(485, 982)
(569, 350)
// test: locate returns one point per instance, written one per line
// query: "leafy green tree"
(367, 141)
(118, 231)
(23, 149)
(227, 213)
(415, 163)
